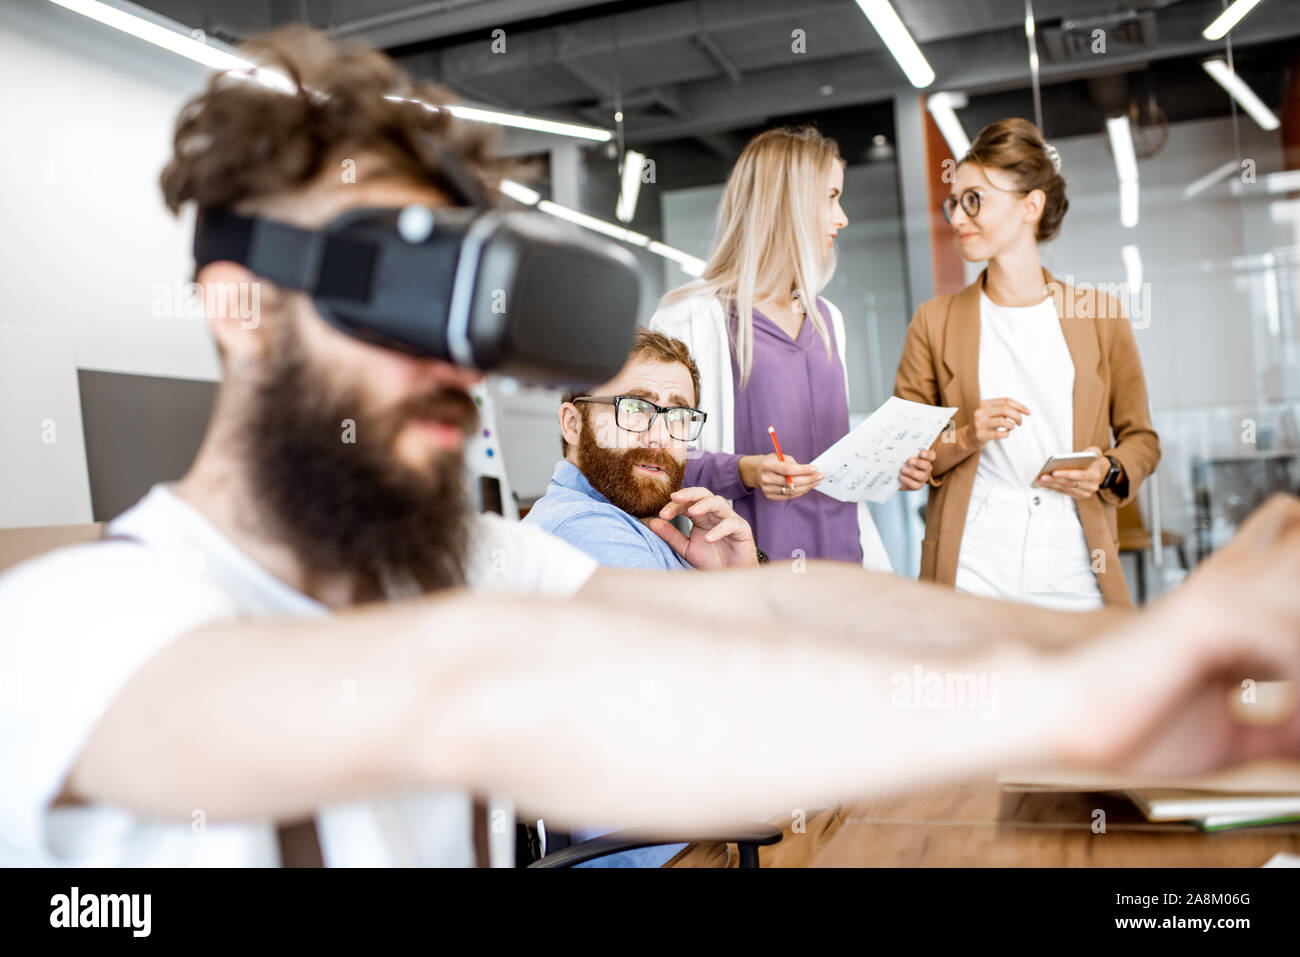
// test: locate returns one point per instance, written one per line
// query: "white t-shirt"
(1023, 356)
(75, 624)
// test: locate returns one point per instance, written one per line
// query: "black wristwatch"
(762, 556)
(1113, 475)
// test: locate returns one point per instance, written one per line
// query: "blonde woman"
(770, 352)
(1036, 368)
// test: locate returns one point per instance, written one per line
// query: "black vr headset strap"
(319, 263)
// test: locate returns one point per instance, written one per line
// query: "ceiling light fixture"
(625, 208)
(1240, 91)
(172, 36)
(1228, 19)
(899, 42)
(943, 107)
(1120, 131)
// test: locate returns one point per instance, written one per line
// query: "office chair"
(1136, 539)
(560, 852)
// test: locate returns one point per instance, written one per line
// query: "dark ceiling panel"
(692, 69)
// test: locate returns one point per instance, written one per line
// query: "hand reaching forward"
(1182, 689)
(719, 537)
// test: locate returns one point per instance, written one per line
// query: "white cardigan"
(698, 321)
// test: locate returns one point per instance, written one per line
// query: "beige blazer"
(940, 366)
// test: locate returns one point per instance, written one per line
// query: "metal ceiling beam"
(431, 21)
(589, 75)
(606, 36)
(664, 96)
(714, 52)
(930, 20)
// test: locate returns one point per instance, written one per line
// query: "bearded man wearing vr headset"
(227, 660)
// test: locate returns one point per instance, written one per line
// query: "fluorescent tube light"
(171, 36)
(520, 193)
(1128, 203)
(899, 41)
(156, 33)
(530, 123)
(633, 163)
(593, 223)
(1240, 91)
(943, 107)
(691, 265)
(1285, 182)
(1228, 19)
(1132, 257)
(1120, 132)
(1195, 188)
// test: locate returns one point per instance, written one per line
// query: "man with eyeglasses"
(619, 486)
(614, 493)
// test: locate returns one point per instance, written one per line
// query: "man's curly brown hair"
(241, 142)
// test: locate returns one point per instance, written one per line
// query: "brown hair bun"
(1017, 146)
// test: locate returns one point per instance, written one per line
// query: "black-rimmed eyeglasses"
(970, 202)
(634, 414)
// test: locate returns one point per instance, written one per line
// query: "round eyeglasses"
(634, 414)
(970, 201)
(970, 204)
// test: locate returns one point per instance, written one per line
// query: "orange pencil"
(777, 442)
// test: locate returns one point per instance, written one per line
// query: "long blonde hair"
(766, 240)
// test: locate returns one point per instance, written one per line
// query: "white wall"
(88, 114)
(43, 480)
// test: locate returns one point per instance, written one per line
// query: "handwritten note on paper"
(863, 466)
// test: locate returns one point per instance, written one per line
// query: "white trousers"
(1027, 546)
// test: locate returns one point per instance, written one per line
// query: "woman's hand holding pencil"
(778, 475)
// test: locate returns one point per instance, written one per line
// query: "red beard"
(614, 474)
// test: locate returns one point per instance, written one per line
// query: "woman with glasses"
(1036, 368)
(770, 352)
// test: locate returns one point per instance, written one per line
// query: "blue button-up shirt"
(574, 511)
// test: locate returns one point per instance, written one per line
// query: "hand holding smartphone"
(1071, 460)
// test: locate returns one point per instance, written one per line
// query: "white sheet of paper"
(863, 466)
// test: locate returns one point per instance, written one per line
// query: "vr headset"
(515, 293)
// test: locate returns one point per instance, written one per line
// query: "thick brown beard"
(612, 473)
(354, 507)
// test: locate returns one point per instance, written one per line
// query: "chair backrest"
(19, 544)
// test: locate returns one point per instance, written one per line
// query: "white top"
(698, 321)
(1023, 356)
(76, 623)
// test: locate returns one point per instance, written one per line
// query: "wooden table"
(977, 825)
